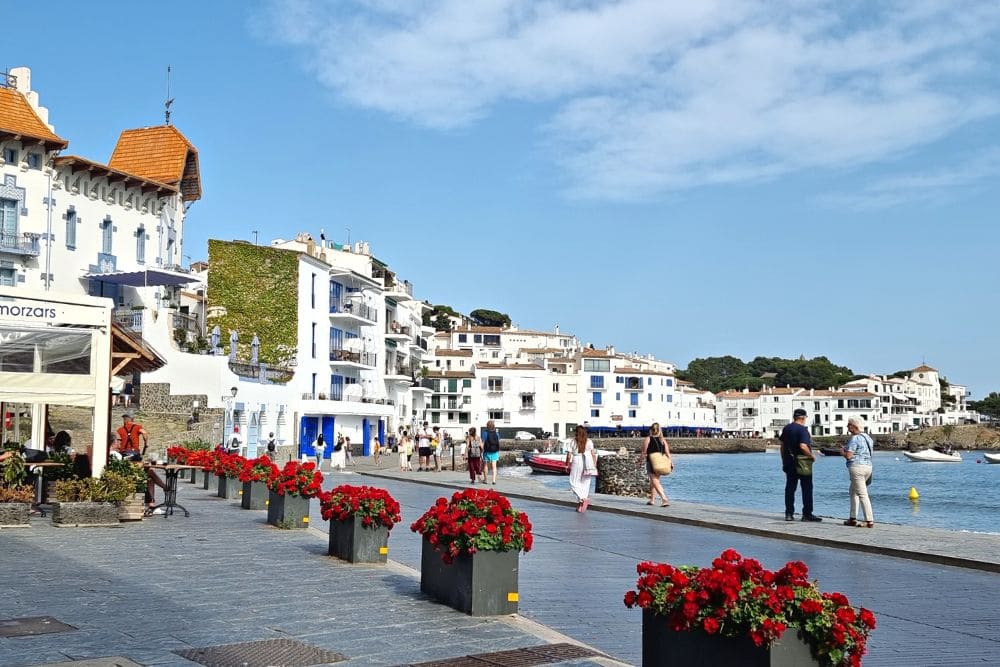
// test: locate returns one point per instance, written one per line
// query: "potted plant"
(470, 551)
(254, 476)
(51, 475)
(227, 468)
(90, 502)
(15, 496)
(208, 469)
(133, 507)
(201, 458)
(737, 613)
(290, 489)
(360, 520)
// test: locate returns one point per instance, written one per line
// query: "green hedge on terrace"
(257, 285)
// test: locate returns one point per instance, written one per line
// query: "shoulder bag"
(589, 466)
(659, 462)
(871, 455)
(804, 465)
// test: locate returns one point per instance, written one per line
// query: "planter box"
(195, 476)
(133, 509)
(208, 478)
(85, 514)
(351, 541)
(662, 646)
(14, 514)
(287, 511)
(230, 487)
(479, 584)
(255, 495)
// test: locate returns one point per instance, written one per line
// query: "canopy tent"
(145, 278)
(55, 350)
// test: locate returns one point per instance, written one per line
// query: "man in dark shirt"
(795, 441)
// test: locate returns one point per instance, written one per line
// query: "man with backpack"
(130, 434)
(271, 448)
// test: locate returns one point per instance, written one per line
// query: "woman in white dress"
(582, 462)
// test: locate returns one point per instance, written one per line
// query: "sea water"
(953, 496)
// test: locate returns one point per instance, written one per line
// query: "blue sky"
(687, 179)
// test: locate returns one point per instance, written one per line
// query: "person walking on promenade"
(405, 451)
(318, 446)
(377, 451)
(272, 448)
(858, 452)
(582, 462)
(656, 443)
(424, 449)
(474, 455)
(348, 452)
(436, 444)
(796, 442)
(491, 449)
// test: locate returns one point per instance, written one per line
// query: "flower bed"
(738, 598)
(254, 477)
(367, 504)
(474, 520)
(296, 479)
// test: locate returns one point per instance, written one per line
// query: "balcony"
(186, 323)
(262, 373)
(129, 319)
(398, 373)
(348, 310)
(321, 396)
(396, 331)
(20, 244)
(349, 359)
(399, 290)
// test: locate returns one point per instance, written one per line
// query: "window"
(838, 418)
(8, 277)
(466, 384)
(140, 245)
(314, 340)
(649, 397)
(491, 339)
(336, 290)
(571, 388)
(670, 382)
(10, 155)
(618, 396)
(633, 399)
(8, 222)
(597, 382)
(71, 229)
(631, 414)
(477, 338)
(597, 365)
(633, 383)
(649, 381)
(106, 231)
(555, 387)
(494, 384)
(336, 339)
(35, 160)
(462, 338)
(466, 400)
(555, 405)
(595, 413)
(435, 417)
(670, 398)
(337, 387)
(527, 401)
(596, 398)
(313, 292)
(495, 415)
(464, 418)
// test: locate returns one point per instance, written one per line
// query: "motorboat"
(934, 456)
(992, 458)
(553, 464)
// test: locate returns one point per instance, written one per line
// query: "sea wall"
(678, 445)
(622, 475)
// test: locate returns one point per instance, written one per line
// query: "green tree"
(715, 373)
(489, 318)
(988, 406)
(437, 317)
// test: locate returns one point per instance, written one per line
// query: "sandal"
(851, 522)
(866, 524)
(664, 504)
(650, 502)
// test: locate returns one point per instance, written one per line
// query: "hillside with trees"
(721, 373)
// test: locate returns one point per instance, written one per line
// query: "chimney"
(557, 330)
(23, 86)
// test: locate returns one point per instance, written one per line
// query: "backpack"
(475, 449)
(271, 446)
(492, 442)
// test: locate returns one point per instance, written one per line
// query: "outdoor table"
(39, 482)
(170, 492)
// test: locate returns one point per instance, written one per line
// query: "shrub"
(17, 494)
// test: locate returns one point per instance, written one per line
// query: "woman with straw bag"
(656, 453)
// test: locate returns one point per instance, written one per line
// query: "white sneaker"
(159, 510)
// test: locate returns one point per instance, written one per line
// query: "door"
(366, 437)
(308, 430)
(329, 431)
(381, 432)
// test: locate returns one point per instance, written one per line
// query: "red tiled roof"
(19, 119)
(161, 154)
(441, 352)
(924, 369)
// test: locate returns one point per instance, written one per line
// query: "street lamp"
(230, 415)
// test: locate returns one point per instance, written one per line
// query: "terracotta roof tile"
(513, 367)
(441, 352)
(924, 369)
(18, 117)
(642, 371)
(162, 154)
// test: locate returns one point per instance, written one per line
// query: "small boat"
(553, 464)
(831, 451)
(934, 456)
(992, 458)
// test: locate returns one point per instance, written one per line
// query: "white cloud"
(652, 96)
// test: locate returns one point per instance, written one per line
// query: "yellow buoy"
(913, 493)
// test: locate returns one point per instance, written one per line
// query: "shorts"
(491, 457)
(424, 451)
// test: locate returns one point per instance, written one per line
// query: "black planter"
(351, 541)
(254, 496)
(661, 647)
(479, 584)
(230, 487)
(207, 479)
(195, 475)
(287, 511)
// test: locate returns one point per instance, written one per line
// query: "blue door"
(366, 437)
(308, 431)
(381, 432)
(329, 431)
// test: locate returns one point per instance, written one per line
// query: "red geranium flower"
(372, 505)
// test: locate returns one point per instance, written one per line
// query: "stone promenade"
(222, 576)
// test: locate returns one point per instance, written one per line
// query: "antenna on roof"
(169, 100)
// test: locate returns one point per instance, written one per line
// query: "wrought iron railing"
(20, 244)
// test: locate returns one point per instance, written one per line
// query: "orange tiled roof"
(19, 118)
(924, 369)
(441, 352)
(75, 162)
(161, 154)
(512, 367)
